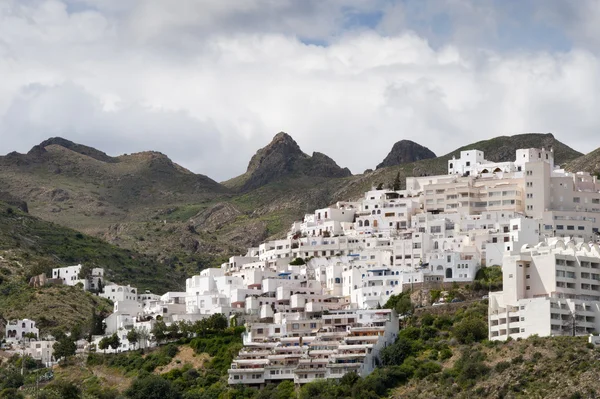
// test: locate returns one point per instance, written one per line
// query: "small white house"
(17, 329)
(70, 276)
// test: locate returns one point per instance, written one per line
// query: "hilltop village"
(312, 303)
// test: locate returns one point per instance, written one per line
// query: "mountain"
(406, 151)
(588, 163)
(76, 185)
(502, 148)
(282, 157)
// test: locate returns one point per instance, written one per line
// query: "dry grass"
(186, 355)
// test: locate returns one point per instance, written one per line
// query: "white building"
(70, 275)
(17, 329)
(116, 292)
(548, 290)
(301, 349)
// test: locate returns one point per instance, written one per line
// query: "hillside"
(441, 352)
(30, 246)
(83, 188)
(589, 163)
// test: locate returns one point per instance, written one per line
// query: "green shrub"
(501, 366)
(470, 330)
(427, 368)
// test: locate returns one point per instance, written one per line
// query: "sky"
(209, 82)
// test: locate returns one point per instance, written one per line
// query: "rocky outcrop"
(79, 148)
(406, 151)
(283, 157)
(14, 201)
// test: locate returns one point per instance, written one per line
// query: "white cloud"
(208, 85)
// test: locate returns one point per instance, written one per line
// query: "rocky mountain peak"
(406, 151)
(281, 152)
(283, 157)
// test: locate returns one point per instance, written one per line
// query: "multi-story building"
(548, 289)
(299, 348)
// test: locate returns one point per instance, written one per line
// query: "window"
(528, 288)
(576, 200)
(560, 227)
(528, 276)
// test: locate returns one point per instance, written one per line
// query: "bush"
(395, 354)
(469, 368)
(427, 368)
(445, 353)
(501, 366)
(151, 387)
(470, 330)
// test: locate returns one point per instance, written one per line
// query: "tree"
(396, 184)
(104, 344)
(218, 322)
(144, 337)
(151, 387)
(394, 355)
(470, 330)
(133, 337)
(64, 347)
(114, 341)
(159, 331)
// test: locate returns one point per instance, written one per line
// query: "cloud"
(208, 83)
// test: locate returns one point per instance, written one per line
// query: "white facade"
(17, 329)
(116, 292)
(548, 290)
(70, 276)
(298, 348)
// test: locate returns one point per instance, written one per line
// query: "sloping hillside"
(589, 163)
(30, 246)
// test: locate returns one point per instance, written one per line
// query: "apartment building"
(301, 349)
(552, 288)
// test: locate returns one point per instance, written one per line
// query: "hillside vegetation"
(30, 246)
(441, 352)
